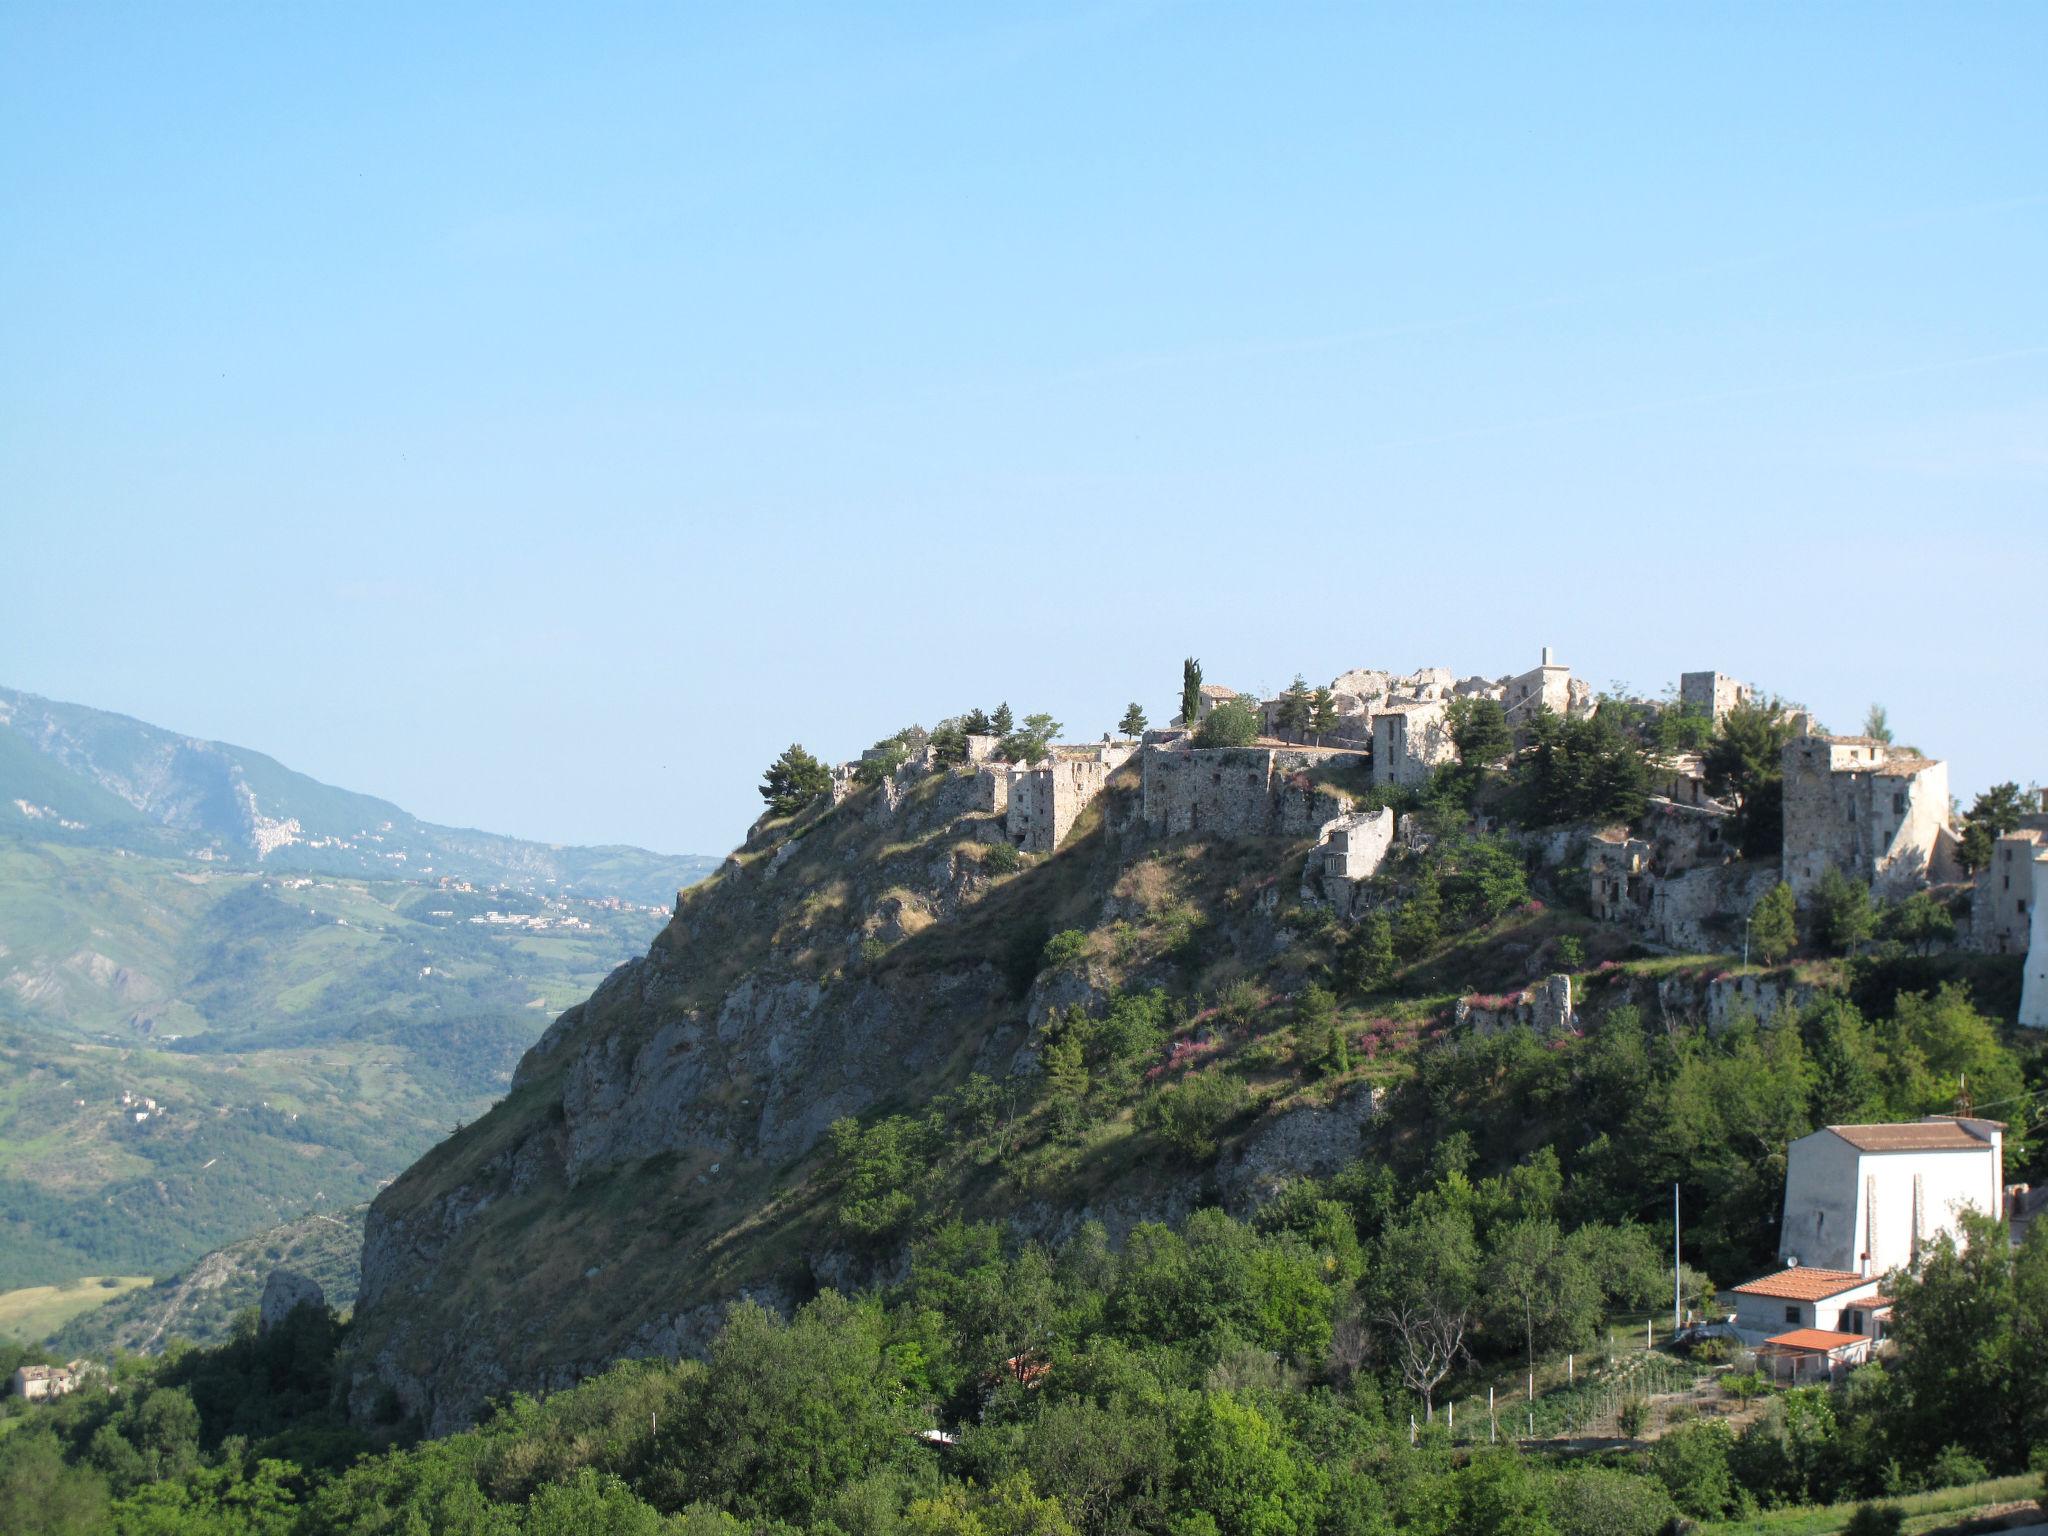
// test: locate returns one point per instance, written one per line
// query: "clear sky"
(540, 415)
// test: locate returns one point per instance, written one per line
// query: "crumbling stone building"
(1876, 812)
(1040, 802)
(1712, 693)
(1349, 852)
(2001, 907)
(2034, 990)
(1548, 685)
(1410, 740)
(1238, 791)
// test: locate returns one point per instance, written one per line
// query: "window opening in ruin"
(1791, 1314)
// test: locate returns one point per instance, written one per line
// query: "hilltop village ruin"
(1872, 811)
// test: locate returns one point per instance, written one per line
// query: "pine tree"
(1322, 715)
(1002, 722)
(1295, 709)
(1773, 925)
(1133, 722)
(1190, 693)
(1421, 920)
(793, 781)
(1367, 963)
(977, 723)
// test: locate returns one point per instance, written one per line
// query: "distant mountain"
(69, 773)
(231, 996)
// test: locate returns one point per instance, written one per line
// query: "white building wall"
(1870, 1212)
(2034, 993)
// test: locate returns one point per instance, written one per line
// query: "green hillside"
(302, 1037)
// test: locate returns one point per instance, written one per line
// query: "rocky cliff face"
(660, 1153)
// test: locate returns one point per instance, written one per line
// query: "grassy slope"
(35, 1312)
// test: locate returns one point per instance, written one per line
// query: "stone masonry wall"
(1236, 791)
(1859, 806)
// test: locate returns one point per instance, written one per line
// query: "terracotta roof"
(1820, 1340)
(1914, 1136)
(1803, 1284)
(1877, 1303)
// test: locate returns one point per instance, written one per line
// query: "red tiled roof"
(1820, 1340)
(1803, 1284)
(1919, 1136)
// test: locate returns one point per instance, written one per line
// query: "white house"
(1864, 1199)
(1802, 1298)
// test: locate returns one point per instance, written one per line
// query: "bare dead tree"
(1429, 1341)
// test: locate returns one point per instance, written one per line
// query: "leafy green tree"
(1296, 708)
(1940, 1054)
(1425, 1293)
(1232, 723)
(1030, 743)
(1190, 693)
(1603, 1501)
(1189, 1113)
(1970, 1366)
(1322, 713)
(1366, 963)
(1745, 759)
(1002, 722)
(591, 1503)
(1877, 725)
(1479, 728)
(1692, 1463)
(1324, 1049)
(41, 1494)
(949, 742)
(1682, 728)
(1009, 1508)
(1133, 722)
(1842, 914)
(1236, 1468)
(786, 1414)
(1065, 1056)
(1773, 925)
(977, 723)
(793, 781)
(1537, 1284)
(1920, 922)
(1993, 813)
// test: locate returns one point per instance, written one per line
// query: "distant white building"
(1861, 1200)
(2034, 992)
(1828, 1300)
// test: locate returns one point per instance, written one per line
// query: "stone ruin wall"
(1237, 791)
(1854, 805)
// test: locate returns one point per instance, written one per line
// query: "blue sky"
(541, 415)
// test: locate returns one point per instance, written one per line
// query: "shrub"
(1634, 1414)
(1190, 1112)
(1955, 1466)
(1002, 859)
(1842, 917)
(1232, 723)
(1571, 952)
(1875, 1520)
(1601, 1501)
(1063, 949)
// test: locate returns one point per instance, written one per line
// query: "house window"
(1899, 802)
(1852, 1320)
(1791, 1314)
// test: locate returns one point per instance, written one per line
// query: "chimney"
(1546, 655)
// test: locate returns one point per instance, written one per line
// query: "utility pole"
(1745, 940)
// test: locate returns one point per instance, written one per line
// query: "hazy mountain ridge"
(72, 772)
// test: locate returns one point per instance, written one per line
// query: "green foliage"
(1232, 723)
(1366, 962)
(1479, 728)
(1324, 1050)
(1419, 921)
(1692, 1463)
(793, 781)
(1745, 759)
(1682, 728)
(1842, 914)
(1236, 1469)
(1031, 742)
(1774, 925)
(1578, 769)
(1190, 692)
(1322, 713)
(1296, 708)
(1001, 859)
(1920, 921)
(1063, 949)
(1189, 1113)
(1993, 813)
(881, 1170)
(1875, 1520)
(1133, 721)
(1877, 724)
(1002, 722)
